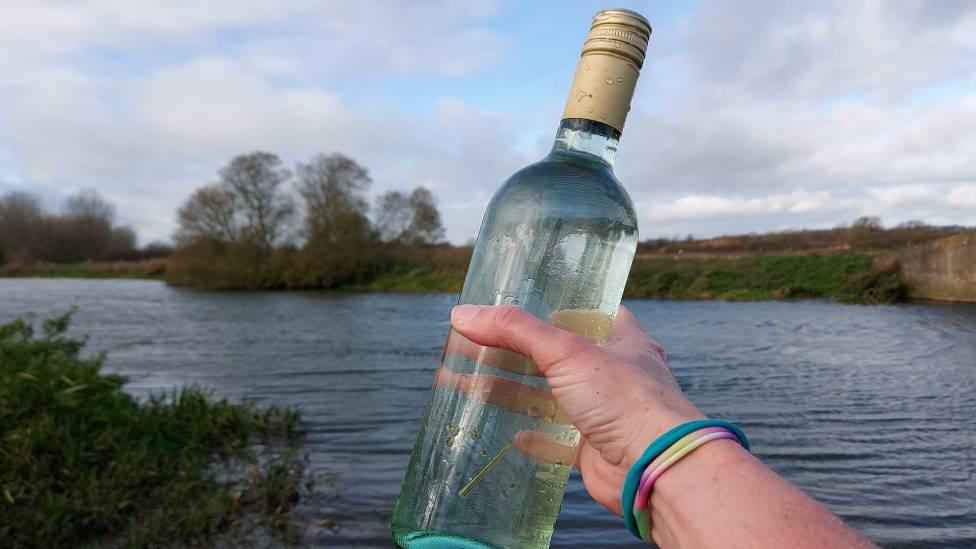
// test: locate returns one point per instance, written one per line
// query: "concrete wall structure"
(943, 270)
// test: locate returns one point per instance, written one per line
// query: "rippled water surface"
(870, 409)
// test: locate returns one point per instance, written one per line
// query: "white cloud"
(703, 206)
(756, 116)
(146, 136)
(349, 39)
(749, 116)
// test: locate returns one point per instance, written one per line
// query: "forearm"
(722, 496)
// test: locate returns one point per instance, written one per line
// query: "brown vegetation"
(138, 268)
(864, 234)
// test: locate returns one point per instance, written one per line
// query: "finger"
(598, 479)
(459, 345)
(545, 448)
(626, 327)
(505, 393)
(630, 338)
(516, 330)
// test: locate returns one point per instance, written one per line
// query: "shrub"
(82, 462)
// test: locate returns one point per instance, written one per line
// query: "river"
(872, 410)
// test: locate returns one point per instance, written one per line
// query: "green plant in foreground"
(84, 463)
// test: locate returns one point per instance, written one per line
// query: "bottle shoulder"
(575, 184)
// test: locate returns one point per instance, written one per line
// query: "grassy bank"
(82, 463)
(843, 277)
(849, 277)
(154, 269)
(416, 278)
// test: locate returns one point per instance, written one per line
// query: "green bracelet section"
(661, 444)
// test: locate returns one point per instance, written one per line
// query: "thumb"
(515, 329)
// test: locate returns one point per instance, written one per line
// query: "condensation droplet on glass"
(609, 81)
(620, 80)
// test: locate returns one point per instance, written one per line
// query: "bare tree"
(86, 233)
(84, 230)
(266, 211)
(425, 227)
(333, 188)
(20, 214)
(88, 205)
(870, 223)
(410, 219)
(393, 216)
(210, 214)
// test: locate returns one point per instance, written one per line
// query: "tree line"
(262, 225)
(84, 230)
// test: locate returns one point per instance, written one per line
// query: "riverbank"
(151, 269)
(84, 463)
(847, 277)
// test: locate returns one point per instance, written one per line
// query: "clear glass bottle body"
(558, 240)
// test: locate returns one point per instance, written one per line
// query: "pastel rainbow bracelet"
(661, 455)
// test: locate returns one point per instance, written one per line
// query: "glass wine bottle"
(557, 240)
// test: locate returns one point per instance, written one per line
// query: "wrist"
(659, 456)
(651, 429)
(685, 486)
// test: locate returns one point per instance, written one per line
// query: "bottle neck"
(579, 135)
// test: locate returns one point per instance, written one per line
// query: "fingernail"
(462, 314)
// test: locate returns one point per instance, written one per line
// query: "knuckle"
(659, 351)
(664, 356)
(508, 317)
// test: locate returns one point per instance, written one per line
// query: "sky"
(748, 116)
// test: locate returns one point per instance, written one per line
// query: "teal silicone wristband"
(661, 444)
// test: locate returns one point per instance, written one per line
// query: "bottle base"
(436, 540)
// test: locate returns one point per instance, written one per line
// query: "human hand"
(621, 395)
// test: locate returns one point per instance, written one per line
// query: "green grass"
(427, 278)
(849, 277)
(82, 463)
(844, 277)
